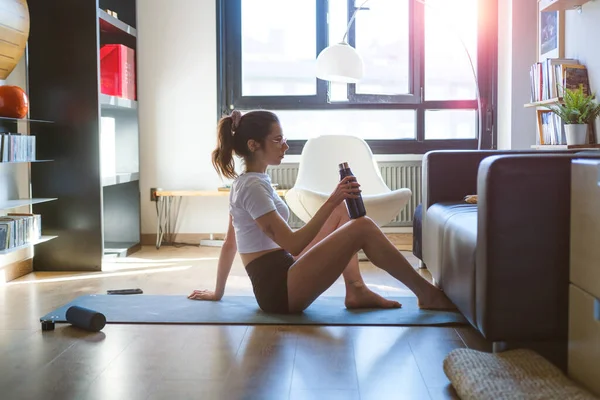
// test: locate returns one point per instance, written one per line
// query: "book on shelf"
(17, 229)
(552, 130)
(549, 78)
(16, 147)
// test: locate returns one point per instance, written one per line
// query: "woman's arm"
(226, 257)
(226, 260)
(279, 231)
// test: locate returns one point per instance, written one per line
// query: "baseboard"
(15, 270)
(149, 239)
(403, 240)
(397, 229)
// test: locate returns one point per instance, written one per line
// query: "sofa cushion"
(451, 232)
(434, 225)
(417, 232)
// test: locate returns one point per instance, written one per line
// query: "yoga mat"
(243, 310)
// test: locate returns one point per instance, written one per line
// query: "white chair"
(318, 175)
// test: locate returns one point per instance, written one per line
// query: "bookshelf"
(95, 138)
(17, 154)
(34, 242)
(565, 146)
(541, 103)
(548, 79)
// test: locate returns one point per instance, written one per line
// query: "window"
(276, 60)
(418, 93)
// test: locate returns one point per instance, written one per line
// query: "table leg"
(160, 220)
(168, 232)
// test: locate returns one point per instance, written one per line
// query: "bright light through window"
(450, 124)
(368, 124)
(279, 48)
(338, 21)
(448, 73)
(382, 33)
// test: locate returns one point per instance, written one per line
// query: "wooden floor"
(210, 362)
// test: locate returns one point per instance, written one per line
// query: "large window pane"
(382, 39)
(450, 124)
(367, 124)
(278, 48)
(448, 73)
(338, 22)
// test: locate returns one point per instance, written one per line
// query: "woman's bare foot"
(436, 300)
(360, 296)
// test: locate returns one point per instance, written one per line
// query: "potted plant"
(577, 111)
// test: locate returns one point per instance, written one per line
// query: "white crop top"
(251, 197)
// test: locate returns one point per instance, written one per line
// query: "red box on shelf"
(117, 71)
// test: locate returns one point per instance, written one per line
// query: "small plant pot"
(576, 133)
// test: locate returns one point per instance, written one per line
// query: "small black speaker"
(47, 325)
(85, 318)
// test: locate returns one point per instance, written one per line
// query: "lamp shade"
(340, 63)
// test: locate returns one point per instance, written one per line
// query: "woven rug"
(515, 375)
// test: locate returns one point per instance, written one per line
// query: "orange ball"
(14, 102)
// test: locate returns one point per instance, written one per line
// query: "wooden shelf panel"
(120, 178)
(110, 24)
(564, 146)
(559, 5)
(10, 204)
(26, 120)
(26, 245)
(121, 249)
(108, 102)
(202, 193)
(27, 161)
(555, 100)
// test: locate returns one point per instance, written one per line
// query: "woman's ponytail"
(233, 134)
(222, 156)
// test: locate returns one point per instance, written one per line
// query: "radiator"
(396, 175)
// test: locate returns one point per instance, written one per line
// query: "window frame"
(228, 13)
(415, 95)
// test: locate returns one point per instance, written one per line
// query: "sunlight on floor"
(94, 275)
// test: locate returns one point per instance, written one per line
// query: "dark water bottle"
(356, 207)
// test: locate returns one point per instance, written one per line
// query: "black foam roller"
(85, 318)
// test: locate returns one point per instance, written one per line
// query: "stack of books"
(550, 77)
(19, 229)
(16, 147)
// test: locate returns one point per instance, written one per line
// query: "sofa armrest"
(522, 267)
(450, 175)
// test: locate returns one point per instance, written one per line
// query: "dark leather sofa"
(504, 262)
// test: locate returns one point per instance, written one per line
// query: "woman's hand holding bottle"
(348, 188)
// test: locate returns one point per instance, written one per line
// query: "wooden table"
(167, 199)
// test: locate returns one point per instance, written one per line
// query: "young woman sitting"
(290, 269)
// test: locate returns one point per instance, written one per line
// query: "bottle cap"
(344, 165)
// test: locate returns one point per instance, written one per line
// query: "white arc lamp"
(341, 62)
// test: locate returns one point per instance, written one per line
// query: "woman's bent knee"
(363, 223)
(361, 227)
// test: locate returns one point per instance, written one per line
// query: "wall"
(516, 52)
(177, 108)
(580, 32)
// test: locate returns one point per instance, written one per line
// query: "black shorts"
(268, 274)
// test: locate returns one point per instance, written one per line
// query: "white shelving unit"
(26, 245)
(12, 204)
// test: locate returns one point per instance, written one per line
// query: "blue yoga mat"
(243, 310)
